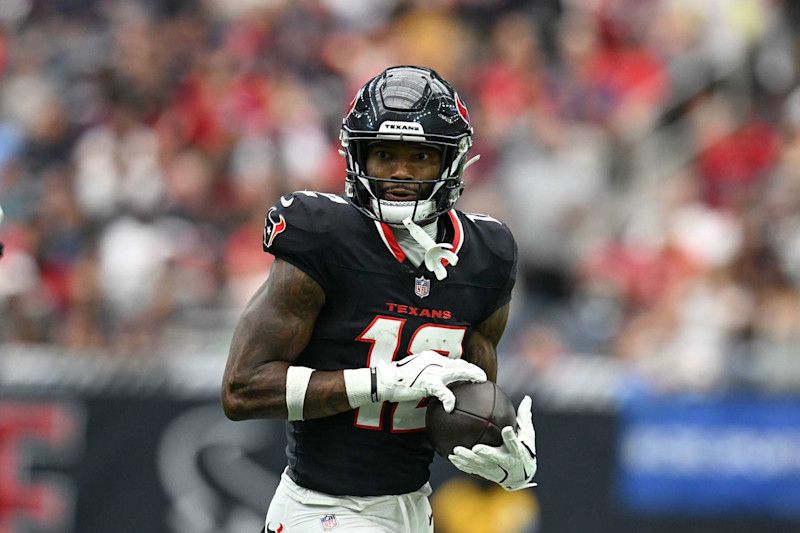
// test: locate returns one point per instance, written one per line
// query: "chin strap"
(435, 252)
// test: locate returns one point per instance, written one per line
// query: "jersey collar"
(387, 236)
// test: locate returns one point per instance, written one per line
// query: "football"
(482, 410)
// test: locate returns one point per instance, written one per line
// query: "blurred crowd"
(646, 154)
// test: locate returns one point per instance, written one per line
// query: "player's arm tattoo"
(481, 347)
(272, 331)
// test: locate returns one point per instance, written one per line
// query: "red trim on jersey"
(420, 405)
(379, 427)
(388, 239)
(458, 235)
(387, 235)
(446, 353)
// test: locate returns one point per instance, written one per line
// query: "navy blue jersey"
(378, 305)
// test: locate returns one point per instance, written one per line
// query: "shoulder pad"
(301, 228)
(497, 248)
(492, 235)
(301, 221)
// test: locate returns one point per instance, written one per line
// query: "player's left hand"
(511, 465)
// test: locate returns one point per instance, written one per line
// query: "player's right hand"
(424, 374)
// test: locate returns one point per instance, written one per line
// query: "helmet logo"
(352, 104)
(462, 109)
(395, 126)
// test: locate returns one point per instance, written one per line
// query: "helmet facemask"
(434, 197)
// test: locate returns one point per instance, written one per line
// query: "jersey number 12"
(384, 335)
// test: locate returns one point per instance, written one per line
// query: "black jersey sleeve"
(505, 249)
(498, 258)
(299, 229)
(505, 295)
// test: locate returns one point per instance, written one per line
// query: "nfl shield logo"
(328, 522)
(422, 287)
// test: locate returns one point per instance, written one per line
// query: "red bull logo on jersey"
(328, 522)
(273, 227)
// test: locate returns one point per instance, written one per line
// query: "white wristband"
(297, 378)
(358, 383)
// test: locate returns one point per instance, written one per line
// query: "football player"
(377, 300)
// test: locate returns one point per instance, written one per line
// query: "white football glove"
(511, 465)
(424, 374)
(415, 377)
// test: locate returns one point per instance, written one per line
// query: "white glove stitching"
(420, 373)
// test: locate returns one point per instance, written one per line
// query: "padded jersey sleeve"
(297, 230)
(507, 253)
(498, 257)
(505, 295)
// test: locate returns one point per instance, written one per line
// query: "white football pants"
(299, 510)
